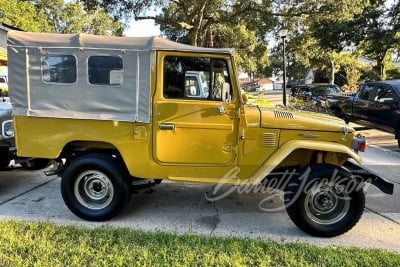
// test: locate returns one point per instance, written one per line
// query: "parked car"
(195, 87)
(291, 84)
(6, 132)
(376, 105)
(139, 128)
(314, 94)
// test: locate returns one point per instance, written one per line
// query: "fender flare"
(287, 148)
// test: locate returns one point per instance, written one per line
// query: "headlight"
(7, 129)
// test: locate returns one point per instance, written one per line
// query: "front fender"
(287, 148)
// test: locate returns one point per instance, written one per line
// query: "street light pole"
(283, 33)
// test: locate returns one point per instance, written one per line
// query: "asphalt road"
(183, 208)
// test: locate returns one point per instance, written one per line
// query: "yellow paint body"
(189, 140)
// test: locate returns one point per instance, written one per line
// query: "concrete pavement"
(183, 208)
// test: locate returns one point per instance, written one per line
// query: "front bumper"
(367, 176)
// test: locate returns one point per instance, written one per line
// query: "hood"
(285, 118)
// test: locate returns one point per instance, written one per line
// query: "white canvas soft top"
(127, 101)
(30, 39)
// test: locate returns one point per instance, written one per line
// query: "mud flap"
(368, 176)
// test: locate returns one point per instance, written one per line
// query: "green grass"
(43, 244)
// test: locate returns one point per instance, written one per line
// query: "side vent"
(283, 114)
(268, 139)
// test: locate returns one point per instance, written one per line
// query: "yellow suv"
(119, 113)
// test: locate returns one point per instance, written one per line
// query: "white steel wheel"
(326, 204)
(93, 189)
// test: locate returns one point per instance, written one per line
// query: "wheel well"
(77, 149)
(304, 157)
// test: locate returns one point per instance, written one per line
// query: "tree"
(72, 18)
(23, 15)
(320, 29)
(318, 39)
(376, 31)
(55, 16)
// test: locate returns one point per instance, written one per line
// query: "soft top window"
(102, 69)
(58, 68)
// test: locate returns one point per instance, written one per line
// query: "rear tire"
(325, 201)
(95, 187)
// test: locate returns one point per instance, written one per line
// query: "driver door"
(195, 123)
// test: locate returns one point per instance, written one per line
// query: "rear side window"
(105, 70)
(58, 68)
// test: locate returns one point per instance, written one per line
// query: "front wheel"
(94, 187)
(325, 201)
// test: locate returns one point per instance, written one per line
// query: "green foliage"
(23, 15)
(57, 16)
(319, 32)
(376, 31)
(42, 244)
(216, 23)
(393, 73)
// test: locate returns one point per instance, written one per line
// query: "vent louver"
(268, 139)
(283, 114)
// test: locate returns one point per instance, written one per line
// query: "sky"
(142, 28)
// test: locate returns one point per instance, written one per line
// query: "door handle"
(166, 126)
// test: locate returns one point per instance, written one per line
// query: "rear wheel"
(95, 187)
(325, 201)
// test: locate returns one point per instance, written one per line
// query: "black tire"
(325, 201)
(95, 187)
